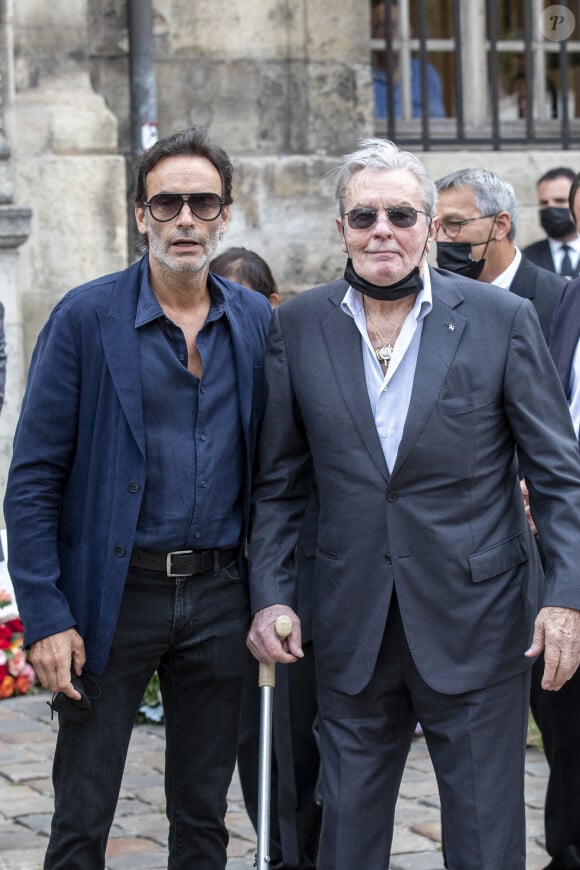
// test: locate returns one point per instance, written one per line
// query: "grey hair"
(491, 192)
(374, 155)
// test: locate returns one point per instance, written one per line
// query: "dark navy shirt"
(193, 432)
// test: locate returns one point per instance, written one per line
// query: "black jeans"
(192, 631)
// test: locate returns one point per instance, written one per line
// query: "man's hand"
(557, 632)
(54, 656)
(264, 643)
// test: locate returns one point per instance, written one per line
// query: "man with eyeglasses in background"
(127, 510)
(406, 390)
(478, 208)
(478, 218)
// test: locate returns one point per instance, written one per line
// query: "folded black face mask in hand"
(77, 709)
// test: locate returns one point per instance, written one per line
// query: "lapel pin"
(451, 327)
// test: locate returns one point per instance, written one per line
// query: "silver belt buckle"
(170, 556)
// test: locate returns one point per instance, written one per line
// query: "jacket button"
(120, 551)
(392, 496)
(134, 486)
(388, 559)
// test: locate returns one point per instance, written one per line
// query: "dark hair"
(246, 268)
(572, 196)
(558, 172)
(194, 142)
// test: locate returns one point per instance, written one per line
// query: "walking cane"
(266, 682)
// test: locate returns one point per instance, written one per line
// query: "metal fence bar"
(493, 67)
(564, 92)
(541, 119)
(423, 61)
(390, 71)
(459, 102)
(530, 89)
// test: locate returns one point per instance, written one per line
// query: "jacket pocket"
(330, 554)
(495, 560)
(464, 404)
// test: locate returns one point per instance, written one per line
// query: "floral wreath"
(17, 675)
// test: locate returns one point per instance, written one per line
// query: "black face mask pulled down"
(456, 257)
(556, 222)
(407, 286)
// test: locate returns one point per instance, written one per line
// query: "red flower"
(16, 673)
(7, 687)
(23, 683)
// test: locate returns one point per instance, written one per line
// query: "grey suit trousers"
(477, 744)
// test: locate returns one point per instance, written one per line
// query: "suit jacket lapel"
(121, 349)
(343, 343)
(241, 342)
(442, 331)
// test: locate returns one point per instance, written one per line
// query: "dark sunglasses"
(166, 206)
(401, 216)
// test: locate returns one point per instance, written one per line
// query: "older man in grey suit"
(407, 391)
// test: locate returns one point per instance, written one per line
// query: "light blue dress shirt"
(390, 393)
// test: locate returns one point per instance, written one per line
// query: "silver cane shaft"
(264, 770)
(266, 682)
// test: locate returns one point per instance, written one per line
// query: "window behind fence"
(499, 73)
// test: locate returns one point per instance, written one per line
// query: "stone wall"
(283, 85)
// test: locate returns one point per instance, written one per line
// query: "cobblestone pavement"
(139, 835)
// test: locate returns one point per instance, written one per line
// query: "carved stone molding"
(14, 225)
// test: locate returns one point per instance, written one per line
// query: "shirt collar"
(149, 309)
(505, 278)
(556, 245)
(352, 302)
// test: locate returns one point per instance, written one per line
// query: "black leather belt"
(182, 563)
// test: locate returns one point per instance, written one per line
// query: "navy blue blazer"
(78, 470)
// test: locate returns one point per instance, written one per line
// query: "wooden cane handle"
(266, 673)
(283, 626)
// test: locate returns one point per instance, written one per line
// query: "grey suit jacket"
(446, 528)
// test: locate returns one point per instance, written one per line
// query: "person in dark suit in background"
(406, 391)
(558, 714)
(465, 197)
(560, 251)
(2, 379)
(2, 357)
(478, 219)
(295, 813)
